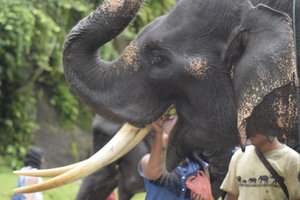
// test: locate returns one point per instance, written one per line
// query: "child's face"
(258, 139)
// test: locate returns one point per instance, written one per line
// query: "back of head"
(34, 157)
(276, 115)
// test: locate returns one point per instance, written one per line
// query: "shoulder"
(291, 151)
(241, 156)
(249, 149)
(285, 157)
(290, 155)
(286, 153)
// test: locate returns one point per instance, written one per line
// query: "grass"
(8, 182)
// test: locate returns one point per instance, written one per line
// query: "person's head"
(34, 157)
(262, 132)
(273, 117)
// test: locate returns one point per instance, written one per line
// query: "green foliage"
(17, 111)
(65, 14)
(65, 101)
(12, 152)
(32, 33)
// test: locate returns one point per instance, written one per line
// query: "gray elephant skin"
(228, 67)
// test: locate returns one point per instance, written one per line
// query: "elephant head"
(222, 64)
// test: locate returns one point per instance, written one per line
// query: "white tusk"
(126, 138)
(49, 172)
(60, 170)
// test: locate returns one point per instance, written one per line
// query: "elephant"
(252, 180)
(123, 173)
(263, 179)
(229, 68)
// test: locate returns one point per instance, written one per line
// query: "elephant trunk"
(85, 72)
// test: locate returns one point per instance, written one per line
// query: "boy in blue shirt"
(158, 183)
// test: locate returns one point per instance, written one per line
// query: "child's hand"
(157, 126)
(196, 196)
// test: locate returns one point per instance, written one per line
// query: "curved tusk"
(60, 170)
(126, 138)
(49, 172)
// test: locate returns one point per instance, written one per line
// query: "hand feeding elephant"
(227, 66)
(123, 173)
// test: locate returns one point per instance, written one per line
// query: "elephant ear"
(262, 58)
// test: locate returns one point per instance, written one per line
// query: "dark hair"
(262, 127)
(275, 116)
(34, 157)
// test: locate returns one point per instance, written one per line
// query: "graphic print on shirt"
(260, 181)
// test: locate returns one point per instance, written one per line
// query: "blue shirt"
(172, 186)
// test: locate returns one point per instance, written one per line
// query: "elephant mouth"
(123, 141)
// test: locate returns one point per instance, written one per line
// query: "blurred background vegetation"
(32, 34)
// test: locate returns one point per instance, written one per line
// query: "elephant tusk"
(60, 170)
(126, 138)
(49, 172)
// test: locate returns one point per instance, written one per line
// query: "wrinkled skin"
(223, 64)
(124, 174)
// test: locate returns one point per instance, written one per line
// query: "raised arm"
(152, 164)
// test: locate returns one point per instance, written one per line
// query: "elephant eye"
(155, 57)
